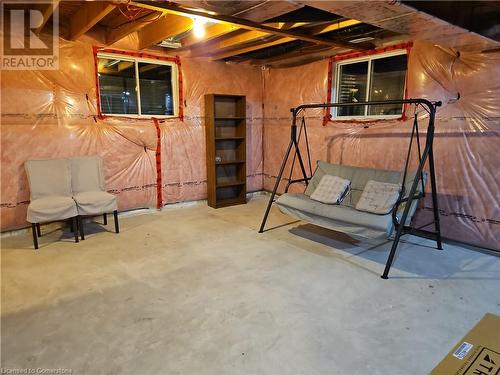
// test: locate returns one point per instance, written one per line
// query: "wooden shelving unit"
(225, 124)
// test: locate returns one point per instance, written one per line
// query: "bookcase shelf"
(225, 125)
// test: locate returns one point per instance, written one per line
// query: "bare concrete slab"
(193, 290)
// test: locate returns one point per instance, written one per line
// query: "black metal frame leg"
(74, 223)
(38, 230)
(117, 226)
(80, 228)
(35, 237)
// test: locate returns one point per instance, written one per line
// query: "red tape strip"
(159, 185)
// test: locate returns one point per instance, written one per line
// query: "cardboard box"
(478, 353)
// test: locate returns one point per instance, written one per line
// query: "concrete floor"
(193, 290)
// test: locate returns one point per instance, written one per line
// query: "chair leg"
(35, 237)
(105, 218)
(117, 227)
(80, 227)
(38, 230)
(74, 224)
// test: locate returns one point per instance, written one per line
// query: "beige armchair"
(89, 193)
(51, 195)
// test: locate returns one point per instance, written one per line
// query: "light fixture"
(199, 27)
(361, 40)
(170, 43)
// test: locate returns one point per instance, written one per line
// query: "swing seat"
(344, 217)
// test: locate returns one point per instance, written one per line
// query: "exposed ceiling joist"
(239, 51)
(316, 30)
(47, 11)
(232, 41)
(299, 56)
(253, 10)
(250, 25)
(211, 32)
(405, 20)
(115, 34)
(326, 28)
(167, 26)
(87, 16)
(269, 9)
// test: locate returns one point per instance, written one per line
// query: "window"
(380, 77)
(137, 87)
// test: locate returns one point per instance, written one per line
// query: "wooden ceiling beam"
(173, 9)
(231, 41)
(113, 35)
(316, 30)
(240, 51)
(47, 11)
(322, 29)
(211, 33)
(285, 25)
(167, 26)
(299, 55)
(88, 15)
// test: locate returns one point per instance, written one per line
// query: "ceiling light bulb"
(199, 27)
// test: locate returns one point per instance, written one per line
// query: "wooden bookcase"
(225, 124)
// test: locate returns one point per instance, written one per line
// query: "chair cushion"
(330, 190)
(378, 197)
(95, 202)
(51, 209)
(337, 217)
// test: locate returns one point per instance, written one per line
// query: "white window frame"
(136, 61)
(369, 59)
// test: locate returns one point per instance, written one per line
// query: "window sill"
(366, 118)
(139, 117)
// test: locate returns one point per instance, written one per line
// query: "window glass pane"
(155, 83)
(117, 86)
(388, 83)
(352, 88)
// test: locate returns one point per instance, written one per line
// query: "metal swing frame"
(424, 156)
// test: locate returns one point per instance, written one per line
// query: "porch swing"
(344, 217)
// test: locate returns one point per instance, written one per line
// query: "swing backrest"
(359, 178)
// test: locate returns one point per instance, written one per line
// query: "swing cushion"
(330, 190)
(378, 197)
(337, 217)
(344, 217)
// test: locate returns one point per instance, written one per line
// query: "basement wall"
(52, 114)
(466, 145)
